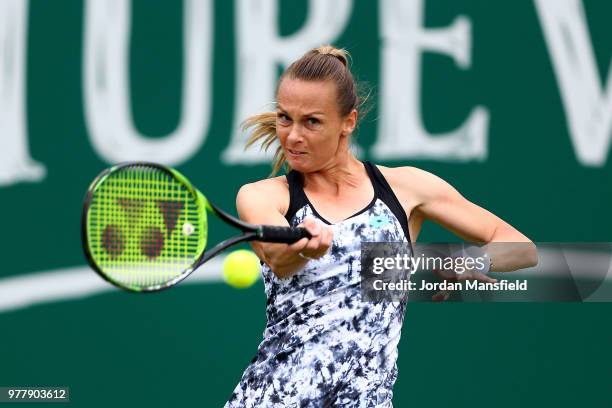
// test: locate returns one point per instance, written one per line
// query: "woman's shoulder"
(267, 185)
(411, 179)
(273, 190)
(404, 174)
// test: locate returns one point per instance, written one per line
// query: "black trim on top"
(366, 208)
(297, 198)
(384, 191)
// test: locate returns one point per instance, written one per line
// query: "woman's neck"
(341, 174)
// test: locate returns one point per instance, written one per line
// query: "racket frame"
(250, 232)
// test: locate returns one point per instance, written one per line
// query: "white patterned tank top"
(323, 346)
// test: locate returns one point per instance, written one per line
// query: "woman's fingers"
(327, 235)
(441, 296)
(484, 278)
(312, 226)
(298, 246)
(314, 243)
(327, 238)
(320, 241)
(475, 276)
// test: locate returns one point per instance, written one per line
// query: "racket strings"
(144, 227)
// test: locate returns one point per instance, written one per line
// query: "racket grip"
(283, 235)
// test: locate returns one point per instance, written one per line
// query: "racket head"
(144, 226)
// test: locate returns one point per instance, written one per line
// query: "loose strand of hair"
(263, 130)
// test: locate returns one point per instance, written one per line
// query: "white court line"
(76, 282)
(80, 281)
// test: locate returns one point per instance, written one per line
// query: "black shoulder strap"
(385, 193)
(297, 198)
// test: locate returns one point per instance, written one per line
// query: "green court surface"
(188, 347)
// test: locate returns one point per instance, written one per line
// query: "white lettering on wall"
(16, 165)
(401, 133)
(106, 85)
(588, 108)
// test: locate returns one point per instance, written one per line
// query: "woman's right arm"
(262, 203)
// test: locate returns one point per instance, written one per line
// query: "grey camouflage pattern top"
(323, 346)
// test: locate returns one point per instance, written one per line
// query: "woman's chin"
(298, 164)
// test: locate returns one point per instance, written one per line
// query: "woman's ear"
(349, 123)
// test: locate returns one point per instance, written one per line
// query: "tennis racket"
(144, 227)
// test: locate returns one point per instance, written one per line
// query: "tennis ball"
(241, 268)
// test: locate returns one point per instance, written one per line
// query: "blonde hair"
(315, 65)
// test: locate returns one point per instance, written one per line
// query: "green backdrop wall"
(189, 345)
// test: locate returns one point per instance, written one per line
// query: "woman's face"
(309, 126)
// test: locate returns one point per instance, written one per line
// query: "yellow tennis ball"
(241, 268)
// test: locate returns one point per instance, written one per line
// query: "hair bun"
(339, 53)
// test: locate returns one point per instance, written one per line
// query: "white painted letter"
(588, 109)
(106, 85)
(401, 133)
(261, 50)
(15, 162)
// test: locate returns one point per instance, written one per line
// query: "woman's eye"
(313, 121)
(283, 118)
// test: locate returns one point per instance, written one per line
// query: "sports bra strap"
(297, 197)
(382, 191)
(385, 193)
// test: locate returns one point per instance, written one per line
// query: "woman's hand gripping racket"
(144, 227)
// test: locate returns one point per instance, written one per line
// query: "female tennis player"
(323, 345)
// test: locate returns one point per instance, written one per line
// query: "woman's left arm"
(438, 201)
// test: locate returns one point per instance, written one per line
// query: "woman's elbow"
(531, 255)
(526, 250)
(279, 269)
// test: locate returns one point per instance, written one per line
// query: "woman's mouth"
(295, 152)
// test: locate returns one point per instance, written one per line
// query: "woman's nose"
(295, 134)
